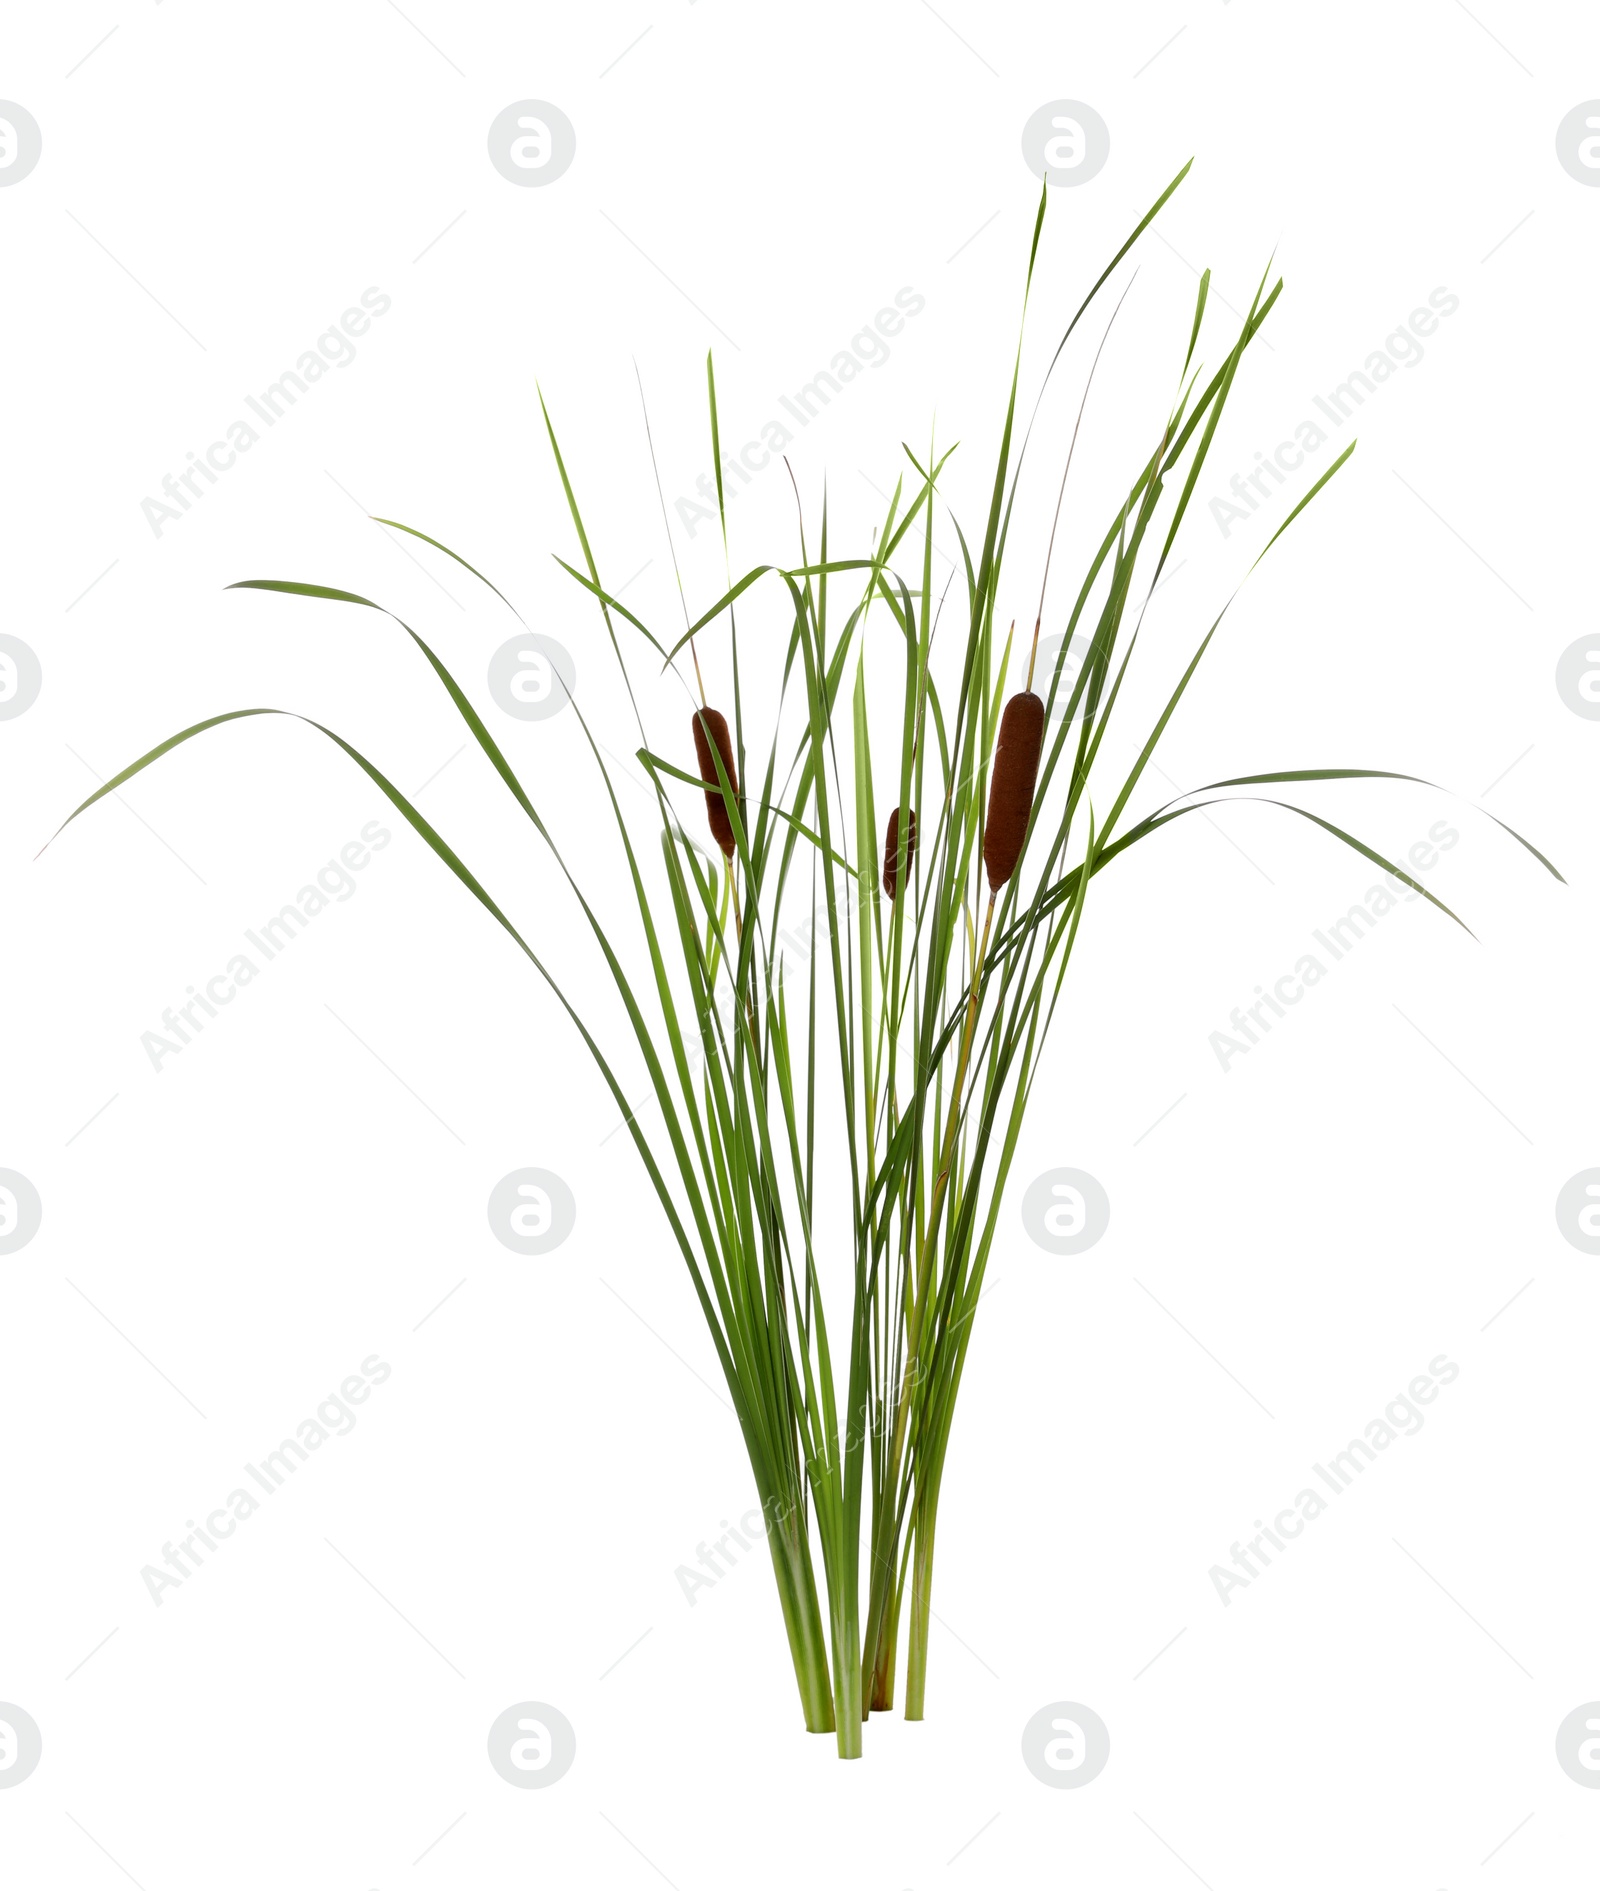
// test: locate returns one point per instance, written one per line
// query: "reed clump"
(922, 1032)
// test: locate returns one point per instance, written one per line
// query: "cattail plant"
(924, 1025)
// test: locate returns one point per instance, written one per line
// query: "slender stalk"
(921, 1605)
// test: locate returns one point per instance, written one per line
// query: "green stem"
(802, 1617)
(847, 1675)
(921, 1607)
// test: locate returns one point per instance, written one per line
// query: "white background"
(301, 1186)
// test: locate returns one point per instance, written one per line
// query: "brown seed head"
(891, 847)
(1016, 768)
(710, 725)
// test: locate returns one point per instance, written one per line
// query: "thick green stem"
(847, 1675)
(921, 1608)
(802, 1617)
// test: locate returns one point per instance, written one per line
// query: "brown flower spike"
(1016, 768)
(710, 725)
(891, 847)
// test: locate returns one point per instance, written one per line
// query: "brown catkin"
(1016, 768)
(891, 847)
(710, 725)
